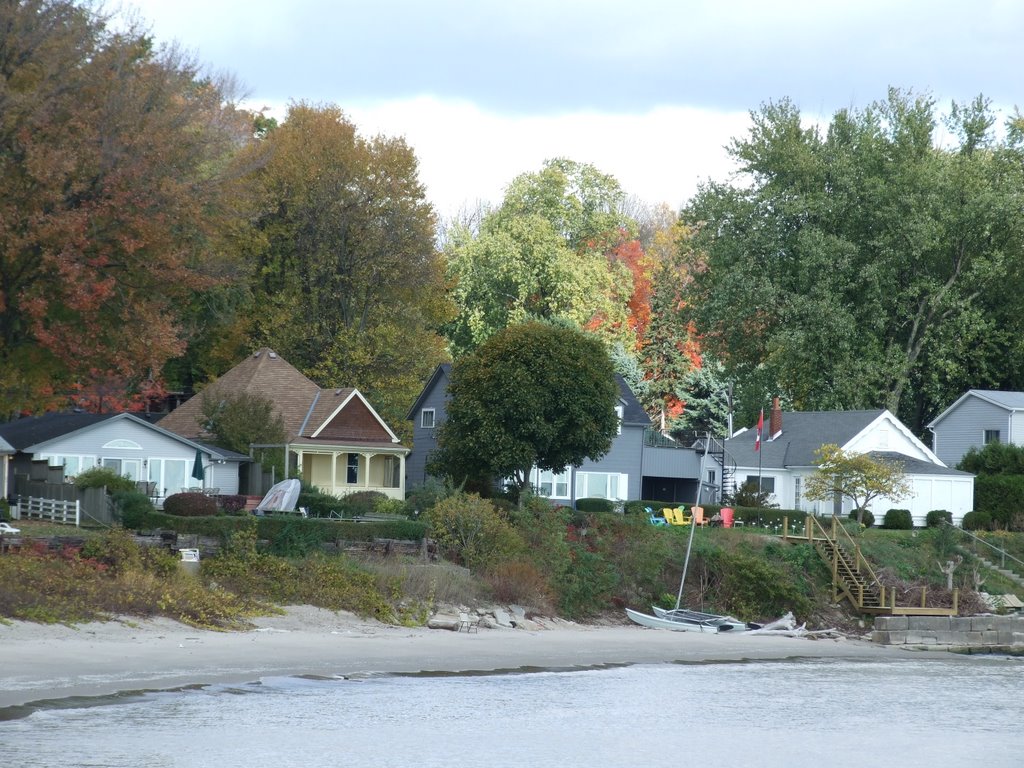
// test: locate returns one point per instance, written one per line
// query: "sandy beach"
(44, 662)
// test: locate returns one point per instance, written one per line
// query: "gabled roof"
(632, 412)
(1009, 401)
(441, 374)
(912, 466)
(34, 433)
(263, 373)
(803, 433)
(6, 447)
(309, 412)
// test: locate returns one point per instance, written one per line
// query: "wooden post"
(881, 596)
(892, 594)
(924, 591)
(785, 527)
(956, 602)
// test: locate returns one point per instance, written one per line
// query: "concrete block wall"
(949, 631)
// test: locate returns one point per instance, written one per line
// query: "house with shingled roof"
(977, 418)
(786, 453)
(334, 438)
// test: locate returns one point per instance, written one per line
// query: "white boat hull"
(656, 622)
(724, 623)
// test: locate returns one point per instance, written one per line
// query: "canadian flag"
(760, 426)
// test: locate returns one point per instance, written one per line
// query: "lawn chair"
(467, 623)
(654, 518)
(698, 516)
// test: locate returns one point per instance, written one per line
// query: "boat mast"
(693, 522)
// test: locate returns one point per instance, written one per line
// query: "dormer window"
(427, 418)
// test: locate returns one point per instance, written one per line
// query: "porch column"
(366, 475)
(298, 460)
(334, 473)
(401, 474)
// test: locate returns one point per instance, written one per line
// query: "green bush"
(190, 505)
(130, 505)
(360, 503)
(938, 517)
(469, 530)
(1001, 496)
(868, 520)
(595, 505)
(977, 520)
(317, 503)
(104, 477)
(898, 520)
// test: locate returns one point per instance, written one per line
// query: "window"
(352, 473)
(122, 443)
(991, 436)
(767, 483)
(798, 489)
(551, 485)
(618, 412)
(169, 475)
(72, 464)
(601, 485)
(427, 418)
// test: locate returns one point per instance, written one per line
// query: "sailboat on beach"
(682, 619)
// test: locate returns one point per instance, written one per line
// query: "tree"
(543, 254)
(862, 266)
(111, 160)
(241, 420)
(855, 476)
(533, 395)
(347, 281)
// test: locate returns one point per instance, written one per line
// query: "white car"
(6, 528)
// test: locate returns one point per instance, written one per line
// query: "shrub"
(389, 506)
(898, 520)
(116, 549)
(190, 505)
(977, 520)
(131, 506)
(937, 517)
(595, 505)
(1001, 496)
(868, 520)
(469, 529)
(231, 504)
(317, 503)
(520, 582)
(100, 477)
(360, 503)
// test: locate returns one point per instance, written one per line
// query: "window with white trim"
(601, 485)
(619, 412)
(352, 469)
(169, 476)
(72, 464)
(427, 418)
(992, 436)
(550, 485)
(767, 483)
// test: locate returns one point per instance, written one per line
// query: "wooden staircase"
(853, 577)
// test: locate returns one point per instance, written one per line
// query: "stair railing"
(861, 566)
(1002, 552)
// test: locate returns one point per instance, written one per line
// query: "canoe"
(656, 622)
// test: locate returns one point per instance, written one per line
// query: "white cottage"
(126, 443)
(787, 455)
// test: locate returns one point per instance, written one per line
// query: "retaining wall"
(950, 631)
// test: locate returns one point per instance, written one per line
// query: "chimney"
(775, 421)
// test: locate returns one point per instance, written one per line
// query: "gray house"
(126, 443)
(641, 464)
(978, 417)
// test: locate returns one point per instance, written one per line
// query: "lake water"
(791, 714)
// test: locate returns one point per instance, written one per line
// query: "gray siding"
(424, 441)
(674, 462)
(964, 428)
(624, 458)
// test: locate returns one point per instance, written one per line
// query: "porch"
(343, 472)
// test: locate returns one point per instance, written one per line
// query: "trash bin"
(727, 517)
(189, 560)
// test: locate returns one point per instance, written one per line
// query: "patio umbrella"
(197, 466)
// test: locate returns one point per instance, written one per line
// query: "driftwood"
(786, 627)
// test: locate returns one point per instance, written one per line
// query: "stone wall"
(933, 632)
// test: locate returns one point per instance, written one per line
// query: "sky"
(649, 91)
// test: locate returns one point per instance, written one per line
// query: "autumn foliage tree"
(108, 174)
(859, 477)
(347, 282)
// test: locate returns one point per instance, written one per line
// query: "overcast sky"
(649, 91)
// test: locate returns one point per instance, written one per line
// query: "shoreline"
(44, 663)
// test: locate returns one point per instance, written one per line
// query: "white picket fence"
(54, 510)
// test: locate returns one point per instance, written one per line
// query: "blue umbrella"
(197, 466)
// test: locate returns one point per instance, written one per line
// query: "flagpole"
(757, 448)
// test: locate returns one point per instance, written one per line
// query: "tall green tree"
(858, 263)
(347, 285)
(112, 157)
(543, 254)
(533, 395)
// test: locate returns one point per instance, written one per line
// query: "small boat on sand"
(657, 622)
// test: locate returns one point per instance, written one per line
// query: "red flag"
(760, 426)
